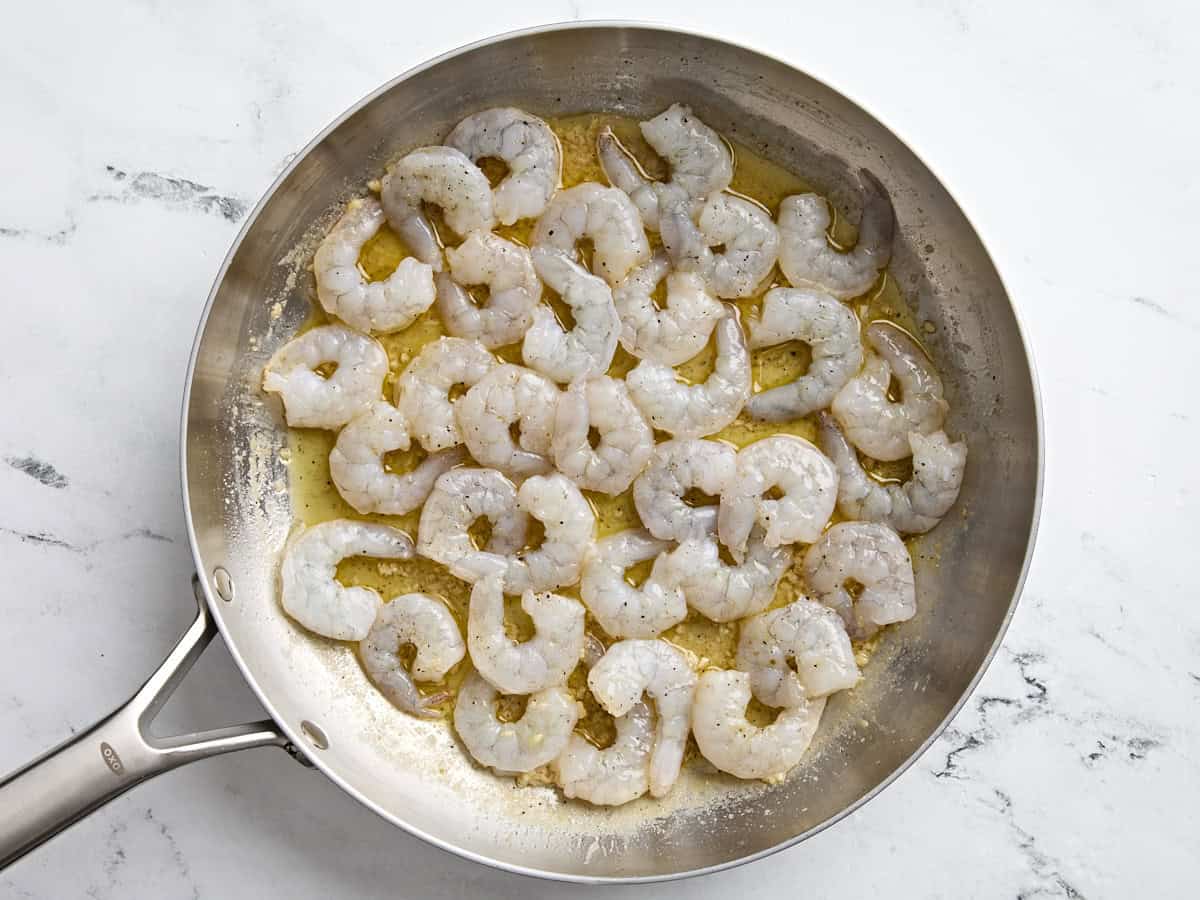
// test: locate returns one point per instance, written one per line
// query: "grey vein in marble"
(1047, 870)
(38, 470)
(170, 190)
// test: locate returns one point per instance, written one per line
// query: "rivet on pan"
(223, 583)
(315, 735)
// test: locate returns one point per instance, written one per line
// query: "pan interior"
(968, 570)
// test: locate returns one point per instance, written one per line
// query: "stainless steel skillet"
(969, 570)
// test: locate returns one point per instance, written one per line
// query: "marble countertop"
(138, 135)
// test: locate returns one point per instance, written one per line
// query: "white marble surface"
(139, 132)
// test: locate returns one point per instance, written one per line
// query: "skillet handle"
(79, 776)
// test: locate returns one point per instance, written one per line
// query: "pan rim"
(293, 733)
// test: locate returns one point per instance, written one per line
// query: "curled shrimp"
(387, 305)
(588, 347)
(310, 400)
(605, 215)
(459, 498)
(632, 668)
(527, 146)
(509, 395)
(829, 327)
(424, 622)
(696, 410)
(626, 441)
(676, 467)
(750, 243)
(442, 176)
(679, 331)
(423, 388)
(617, 774)
(725, 592)
(811, 635)
(311, 593)
(873, 556)
(538, 737)
(910, 508)
(357, 468)
(622, 609)
(514, 290)
(808, 482)
(874, 423)
(732, 744)
(807, 257)
(543, 661)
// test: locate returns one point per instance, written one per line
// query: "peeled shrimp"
(442, 176)
(811, 635)
(526, 144)
(617, 774)
(423, 388)
(700, 162)
(910, 508)
(425, 622)
(872, 555)
(750, 240)
(357, 469)
(587, 349)
(723, 592)
(676, 467)
(626, 441)
(535, 739)
(807, 257)
(829, 327)
(808, 482)
(692, 411)
(311, 400)
(622, 609)
(679, 331)
(633, 667)
(514, 290)
(875, 424)
(509, 395)
(543, 661)
(311, 593)
(387, 305)
(733, 745)
(458, 499)
(605, 215)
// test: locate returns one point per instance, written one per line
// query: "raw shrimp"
(633, 667)
(442, 176)
(543, 661)
(424, 622)
(723, 592)
(311, 593)
(750, 240)
(677, 466)
(626, 441)
(695, 410)
(458, 499)
(733, 745)
(679, 331)
(811, 635)
(513, 290)
(623, 610)
(875, 424)
(829, 327)
(387, 305)
(357, 468)
(911, 508)
(538, 737)
(605, 215)
(509, 395)
(423, 388)
(527, 146)
(700, 162)
(808, 258)
(311, 400)
(617, 774)
(587, 349)
(808, 482)
(875, 558)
